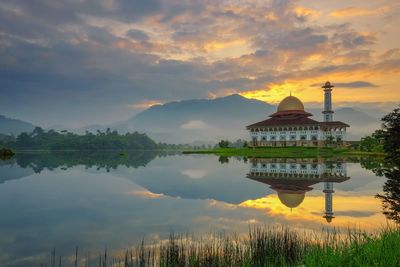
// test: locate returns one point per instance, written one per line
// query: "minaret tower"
(328, 116)
(328, 112)
(328, 190)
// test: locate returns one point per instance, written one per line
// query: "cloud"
(146, 194)
(356, 84)
(194, 173)
(145, 104)
(359, 11)
(193, 125)
(86, 59)
(137, 35)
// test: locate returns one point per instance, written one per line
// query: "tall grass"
(263, 246)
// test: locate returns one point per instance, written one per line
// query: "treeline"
(64, 140)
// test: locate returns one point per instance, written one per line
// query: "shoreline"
(285, 152)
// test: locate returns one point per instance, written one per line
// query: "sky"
(80, 62)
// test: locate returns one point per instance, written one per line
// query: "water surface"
(98, 200)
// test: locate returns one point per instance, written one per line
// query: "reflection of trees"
(391, 192)
(391, 189)
(99, 159)
(223, 159)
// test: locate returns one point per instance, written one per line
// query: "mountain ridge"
(226, 117)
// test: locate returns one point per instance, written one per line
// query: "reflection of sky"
(93, 209)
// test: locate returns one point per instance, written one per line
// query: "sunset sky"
(77, 62)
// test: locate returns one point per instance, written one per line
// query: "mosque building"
(293, 178)
(291, 125)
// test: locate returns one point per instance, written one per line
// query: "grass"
(263, 246)
(282, 152)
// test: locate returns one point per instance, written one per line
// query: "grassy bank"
(282, 152)
(263, 246)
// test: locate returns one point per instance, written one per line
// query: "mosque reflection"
(292, 178)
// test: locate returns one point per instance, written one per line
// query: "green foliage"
(371, 143)
(109, 140)
(359, 250)
(390, 134)
(330, 141)
(224, 143)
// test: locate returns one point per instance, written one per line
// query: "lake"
(103, 200)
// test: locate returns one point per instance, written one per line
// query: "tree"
(223, 144)
(390, 134)
(370, 143)
(330, 140)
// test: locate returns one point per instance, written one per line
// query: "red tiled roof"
(334, 123)
(295, 122)
(280, 121)
(290, 112)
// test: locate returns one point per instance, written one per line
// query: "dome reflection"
(292, 178)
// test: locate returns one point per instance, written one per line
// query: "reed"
(263, 246)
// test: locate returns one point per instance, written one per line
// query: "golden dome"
(290, 103)
(291, 200)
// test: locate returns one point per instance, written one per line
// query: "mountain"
(209, 120)
(198, 120)
(13, 126)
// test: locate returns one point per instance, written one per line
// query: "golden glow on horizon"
(145, 104)
(366, 210)
(308, 89)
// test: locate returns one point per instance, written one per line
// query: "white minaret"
(328, 112)
(328, 190)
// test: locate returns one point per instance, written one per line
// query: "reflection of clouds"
(194, 173)
(146, 194)
(221, 205)
(363, 210)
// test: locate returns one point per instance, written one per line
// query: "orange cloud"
(306, 12)
(357, 11)
(145, 104)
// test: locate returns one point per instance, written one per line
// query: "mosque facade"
(290, 125)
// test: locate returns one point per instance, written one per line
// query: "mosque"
(292, 178)
(291, 125)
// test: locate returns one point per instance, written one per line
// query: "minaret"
(328, 190)
(328, 116)
(328, 112)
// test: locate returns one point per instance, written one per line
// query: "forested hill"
(52, 140)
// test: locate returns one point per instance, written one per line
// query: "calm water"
(102, 200)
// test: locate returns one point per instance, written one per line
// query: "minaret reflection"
(292, 178)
